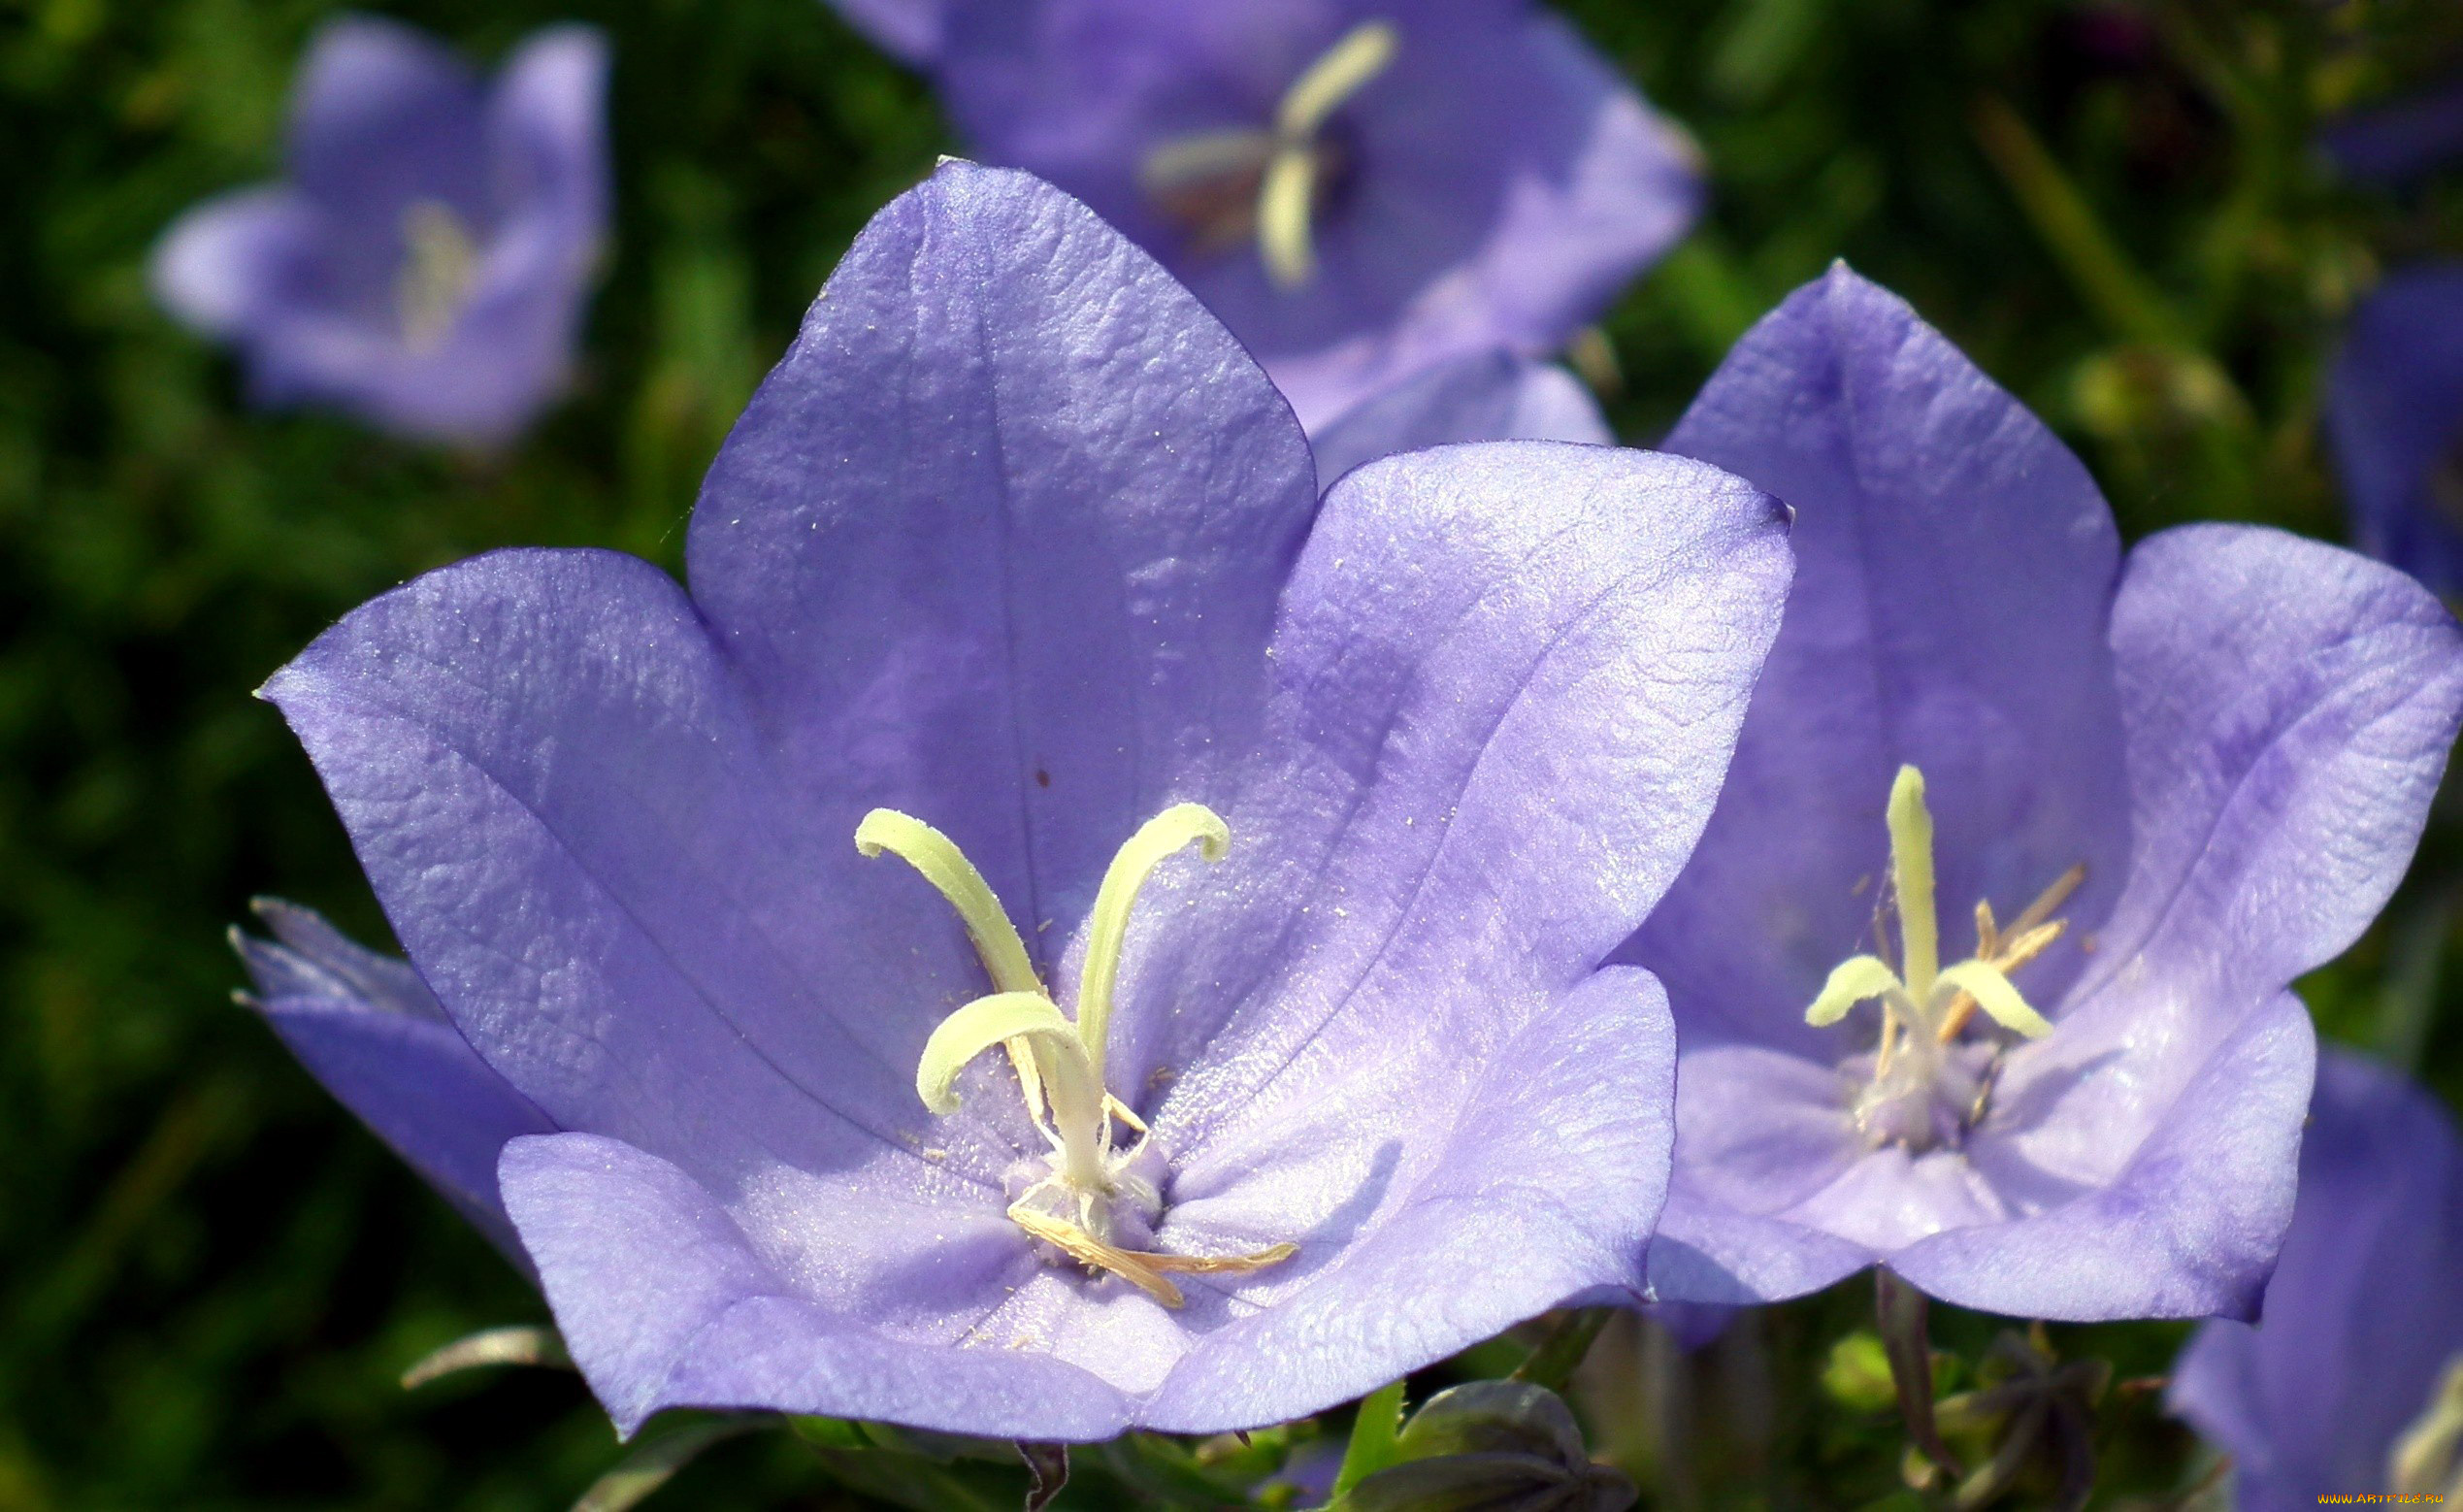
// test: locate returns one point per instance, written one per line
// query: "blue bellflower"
(1060, 929)
(1980, 969)
(2353, 1382)
(1358, 191)
(425, 264)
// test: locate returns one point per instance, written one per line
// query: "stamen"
(996, 940)
(1180, 825)
(440, 262)
(1912, 879)
(1025, 1018)
(1143, 1269)
(1341, 72)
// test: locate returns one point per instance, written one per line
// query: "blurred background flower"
(425, 262)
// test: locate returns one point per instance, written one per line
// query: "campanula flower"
(2394, 408)
(1980, 969)
(906, 29)
(1485, 395)
(1358, 191)
(425, 262)
(370, 1031)
(1059, 930)
(2353, 1382)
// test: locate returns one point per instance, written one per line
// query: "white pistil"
(1060, 1061)
(1287, 164)
(440, 262)
(1925, 1006)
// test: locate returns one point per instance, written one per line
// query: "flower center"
(1226, 186)
(1090, 1193)
(1927, 1086)
(440, 260)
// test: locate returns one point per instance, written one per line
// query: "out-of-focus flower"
(1358, 191)
(904, 29)
(1486, 395)
(2397, 143)
(426, 261)
(2344, 1385)
(370, 1031)
(2394, 407)
(1008, 574)
(2162, 786)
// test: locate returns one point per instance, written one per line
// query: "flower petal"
(908, 30)
(383, 114)
(553, 780)
(1507, 676)
(367, 1027)
(225, 263)
(1955, 563)
(2363, 1316)
(1542, 1183)
(664, 1303)
(2190, 1227)
(999, 543)
(2290, 707)
(1485, 395)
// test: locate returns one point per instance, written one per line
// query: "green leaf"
(652, 1465)
(1374, 1436)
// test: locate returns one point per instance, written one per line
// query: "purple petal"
(2394, 407)
(383, 114)
(1955, 567)
(1507, 677)
(224, 264)
(2363, 1316)
(1543, 1187)
(367, 1027)
(1000, 539)
(553, 780)
(2189, 1228)
(2289, 708)
(664, 1301)
(1486, 395)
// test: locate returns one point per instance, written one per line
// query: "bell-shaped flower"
(1358, 191)
(1056, 929)
(369, 1029)
(426, 260)
(1980, 970)
(2394, 408)
(2354, 1381)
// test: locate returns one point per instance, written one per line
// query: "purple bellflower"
(2161, 786)
(2354, 1383)
(425, 264)
(1358, 191)
(2394, 405)
(1011, 585)
(368, 1028)
(908, 30)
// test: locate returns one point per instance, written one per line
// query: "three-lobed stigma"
(1923, 1091)
(1093, 1193)
(1271, 183)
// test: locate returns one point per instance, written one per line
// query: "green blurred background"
(210, 1277)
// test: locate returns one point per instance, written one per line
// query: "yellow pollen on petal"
(1059, 1060)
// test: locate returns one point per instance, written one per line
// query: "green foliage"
(211, 1279)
